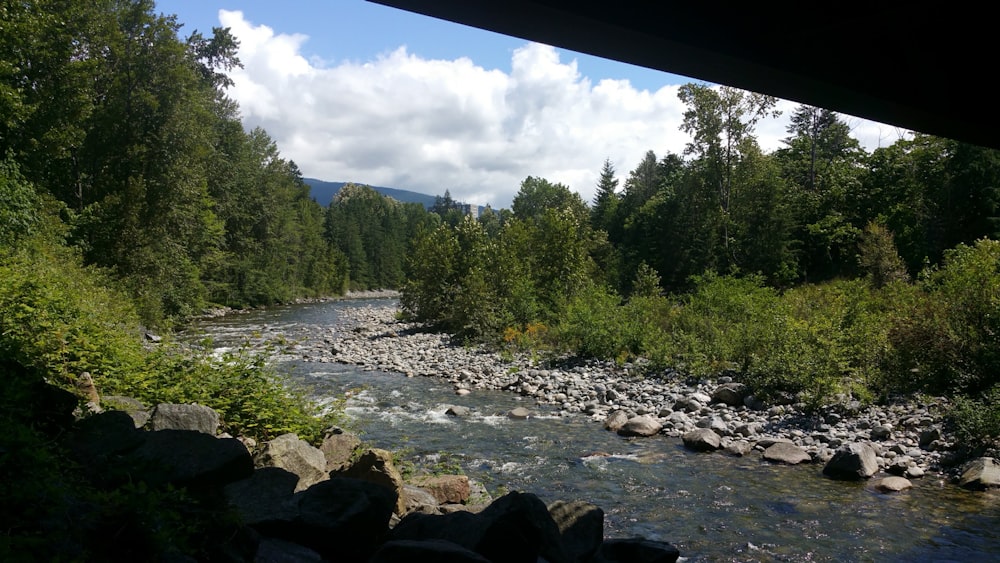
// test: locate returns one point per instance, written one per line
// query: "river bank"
(908, 438)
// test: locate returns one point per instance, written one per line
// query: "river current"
(711, 506)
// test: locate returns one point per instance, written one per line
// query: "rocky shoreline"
(906, 439)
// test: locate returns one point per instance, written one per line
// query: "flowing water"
(711, 506)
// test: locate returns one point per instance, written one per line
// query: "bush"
(976, 422)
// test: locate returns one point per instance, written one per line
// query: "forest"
(132, 198)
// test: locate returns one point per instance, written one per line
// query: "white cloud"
(430, 125)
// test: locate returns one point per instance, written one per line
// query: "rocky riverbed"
(908, 438)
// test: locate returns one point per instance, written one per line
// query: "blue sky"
(356, 91)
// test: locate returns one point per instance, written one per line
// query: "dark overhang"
(925, 67)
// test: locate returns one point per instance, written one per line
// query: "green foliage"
(18, 204)
(948, 333)
(878, 256)
(976, 422)
(266, 405)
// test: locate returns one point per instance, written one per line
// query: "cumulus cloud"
(433, 125)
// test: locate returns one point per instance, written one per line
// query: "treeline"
(819, 272)
(124, 131)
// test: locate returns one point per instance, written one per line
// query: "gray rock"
(458, 411)
(782, 452)
(929, 436)
(338, 449)
(293, 454)
(852, 461)
(376, 466)
(342, 519)
(446, 489)
(519, 413)
(615, 421)
(168, 416)
(702, 440)
(881, 432)
(134, 407)
(644, 425)
(581, 528)
(893, 484)
(265, 496)
(739, 448)
(980, 474)
(191, 458)
(731, 394)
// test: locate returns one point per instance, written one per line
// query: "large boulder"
(980, 474)
(515, 527)
(852, 462)
(731, 394)
(447, 489)
(702, 440)
(581, 528)
(643, 425)
(338, 448)
(376, 466)
(615, 421)
(169, 416)
(342, 519)
(264, 497)
(190, 458)
(294, 454)
(781, 452)
(134, 407)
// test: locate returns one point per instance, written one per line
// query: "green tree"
(721, 123)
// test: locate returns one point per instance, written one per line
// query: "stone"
(581, 528)
(929, 436)
(615, 421)
(458, 411)
(134, 407)
(199, 418)
(980, 474)
(638, 550)
(739, 448)
(417, 499)
(515, 527)
(853, 461)
(881, 432)
(376, 466)
(342, 519)
(702, 440)
(263, 497)
(731, 394)
(338, 449)
(782, 452)
(519, 413)
(85, 387)
(294, 454)
(191, 458)
(644, 425)
(893, 484)
(454, 489)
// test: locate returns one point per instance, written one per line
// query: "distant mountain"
(323, 193)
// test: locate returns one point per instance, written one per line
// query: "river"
(711, 506)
